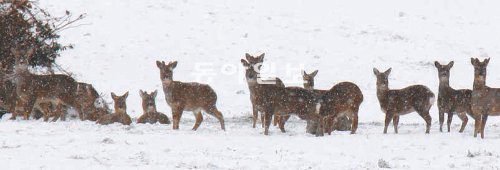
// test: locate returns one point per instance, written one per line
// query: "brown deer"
(7, 90)
(259, 60)
(88, 98)
(343, 123)
(485, 100)
(120, 115)
(31, 89)
(452, 101)
(394, 103)
(151, 115)
(270, 99)
(182, 96)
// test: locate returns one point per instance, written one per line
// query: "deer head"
(148, 101)
(252, 71)
(309, 79)
(382, 78)
(22, 57)
(120, 102)
(444, 71)
(254, 60)
(166, 70)
(479, 71)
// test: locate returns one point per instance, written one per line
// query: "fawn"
(30, 88)
(452, 101)
(182, 96)
(150, 114)
(270, 99)
(344, 123)
(485, 100)
(394, 103)
(258, 61)
(120, 115)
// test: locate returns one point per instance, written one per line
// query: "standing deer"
(485, 100)
(270, 99)
(452, 101)
(259, 60)
(344, 123)
(394, 103)
(193, 97)
(7, 90)
(120, 115)
(150, 114)
(31, 89)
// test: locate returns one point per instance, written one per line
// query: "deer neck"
(151, 111)
(444, 84)
(382, 92)
(479, 83)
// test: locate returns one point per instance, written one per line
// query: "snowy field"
(117, 44)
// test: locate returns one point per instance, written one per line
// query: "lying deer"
(270, 99)
(259, 60)
(343, 123)
(452, 101)
(31, 88)
(89, 98)
(485, 100)
(394, 103)
(182, 96)
(151, 115)
(120, 115)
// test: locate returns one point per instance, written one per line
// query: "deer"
(344, 123)
(7, 90)
(182, 96)
(58, 89)
(395, 103)
(151, 115)
(259, 60)
(271, 99)
(90, 102)
(485, 100)
(120, 115)
(452, 101)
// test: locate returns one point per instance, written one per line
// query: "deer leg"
(483, 124)
(176, 116)
(477, 125)
(395, 122)
(441, 120)
(255, 115)
(320, 128)
(268, 116)
(465, 119)
(215, 112)
(199, 119)
(276, 119)
(448, 122)
(428, 120)
(59, 112)
(388, 118)
(262, 120)
(282, 122)
(354, 122)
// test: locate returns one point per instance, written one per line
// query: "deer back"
(342, 98)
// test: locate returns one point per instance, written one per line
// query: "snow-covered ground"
(120, 40)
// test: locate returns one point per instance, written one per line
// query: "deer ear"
(261, 57)
(451, 64)
(141, 93)
(436, 63)
(388, 71)
(248, 56)
(304, 73)
(154, 93)
(173, 64)
(113, 95)
(159, 64)
(472, 61)
(375, 71)
(245, 63)
(125, 95)
(486, 61)
(313, 74)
